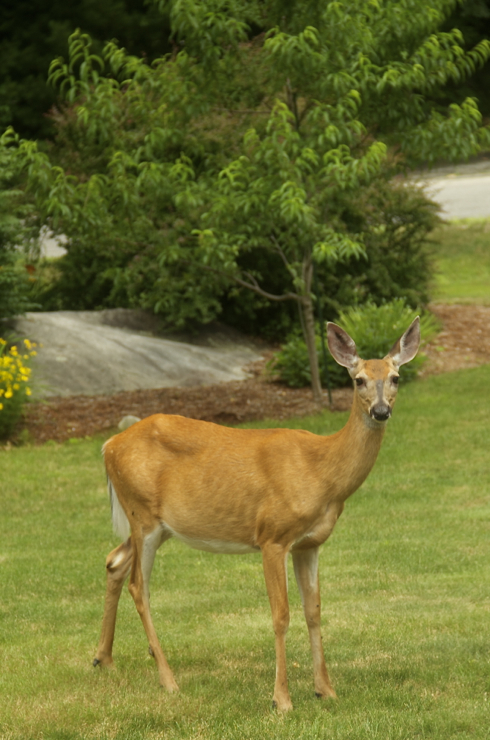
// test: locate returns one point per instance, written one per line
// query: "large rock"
(103, 352)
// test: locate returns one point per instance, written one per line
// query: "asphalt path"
(462, 191)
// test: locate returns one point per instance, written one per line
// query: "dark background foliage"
(34, 32)
(473, 20)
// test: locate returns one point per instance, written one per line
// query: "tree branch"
(280, 252)
(253, 285)
(292, 103)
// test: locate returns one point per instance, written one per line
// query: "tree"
(276, 197)
(258, 134)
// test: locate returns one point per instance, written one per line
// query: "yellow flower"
(15, 372)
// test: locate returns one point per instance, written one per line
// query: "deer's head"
(375, 381)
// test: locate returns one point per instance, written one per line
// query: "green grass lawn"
(462, 254)
(405, 585)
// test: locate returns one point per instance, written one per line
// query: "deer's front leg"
(274, 562)
(118, 566)
(306, 571)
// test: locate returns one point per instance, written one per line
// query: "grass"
(405, 585)
(462, 254)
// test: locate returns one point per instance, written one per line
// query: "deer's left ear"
(407, 346)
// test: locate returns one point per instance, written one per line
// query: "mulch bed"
(463, 342)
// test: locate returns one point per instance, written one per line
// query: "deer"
(230, 490)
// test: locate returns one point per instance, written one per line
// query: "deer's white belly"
(217, 546)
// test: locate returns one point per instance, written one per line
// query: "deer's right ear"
(342, 347)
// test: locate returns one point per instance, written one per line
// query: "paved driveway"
(462, 191)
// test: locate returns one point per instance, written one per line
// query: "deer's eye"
(395, 380)
(359, 382)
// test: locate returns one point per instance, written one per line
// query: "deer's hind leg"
(118, 566)
(145, 546)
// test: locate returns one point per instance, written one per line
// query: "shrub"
(374, 329)
(17, 227)
(14, 285)
(14, 377)
(291, 364)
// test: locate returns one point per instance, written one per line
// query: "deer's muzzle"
(380, 412)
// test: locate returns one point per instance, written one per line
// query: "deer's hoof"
(283, 707)
(328, 694)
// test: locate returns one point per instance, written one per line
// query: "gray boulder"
(103, 352)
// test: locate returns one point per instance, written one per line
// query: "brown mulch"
(463, 342)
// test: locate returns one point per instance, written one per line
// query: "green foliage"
(29, 41)
(267, 131)
(396, 219)
(277, 197)
(374, 329)
(134, 146)
(18, 230)
(291, 365)
(14, 285)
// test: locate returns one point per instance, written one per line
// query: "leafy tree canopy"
(256, 135)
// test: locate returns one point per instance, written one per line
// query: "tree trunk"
(306, 307)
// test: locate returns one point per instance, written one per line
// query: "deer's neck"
(355, 448)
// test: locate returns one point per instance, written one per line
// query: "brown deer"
(274, 491)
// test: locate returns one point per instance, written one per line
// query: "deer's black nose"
(381, 412)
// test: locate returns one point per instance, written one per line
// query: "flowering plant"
(14, 377)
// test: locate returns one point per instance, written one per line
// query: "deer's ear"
(342, 347)
(407, 346)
